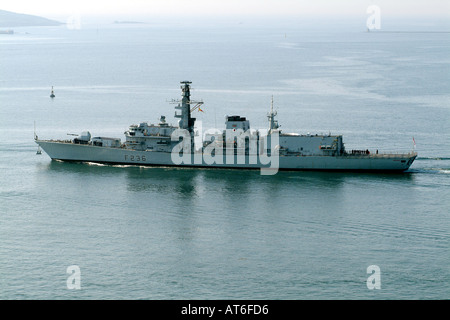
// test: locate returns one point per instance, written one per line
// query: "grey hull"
(64, 151)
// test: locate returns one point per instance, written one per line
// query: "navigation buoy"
(52, 94)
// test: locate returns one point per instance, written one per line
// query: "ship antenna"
(271, 105)
(273, 124)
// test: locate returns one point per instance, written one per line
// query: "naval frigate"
(236, 147)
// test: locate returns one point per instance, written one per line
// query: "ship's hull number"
(134, 158)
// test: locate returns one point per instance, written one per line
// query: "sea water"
(87, 231)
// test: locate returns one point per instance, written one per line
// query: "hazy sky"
(226, 7)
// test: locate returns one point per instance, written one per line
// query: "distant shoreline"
(10, 20)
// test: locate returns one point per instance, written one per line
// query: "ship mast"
(273, 124)
(186, 121)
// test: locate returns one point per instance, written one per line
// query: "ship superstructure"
(238, 146)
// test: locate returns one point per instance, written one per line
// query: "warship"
(236, 147)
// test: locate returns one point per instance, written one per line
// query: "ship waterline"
(236, 147)
(67, 151)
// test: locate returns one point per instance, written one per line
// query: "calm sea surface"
(160, 233)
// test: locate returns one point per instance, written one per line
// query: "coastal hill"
(10, 19)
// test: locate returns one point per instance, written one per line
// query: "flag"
(414, 141)
(200, 109)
